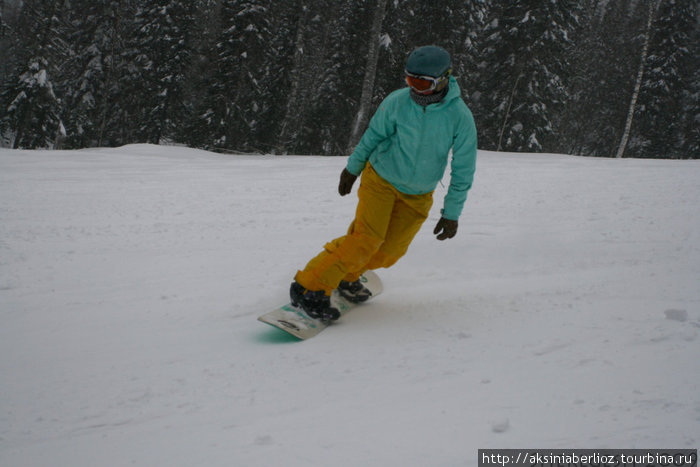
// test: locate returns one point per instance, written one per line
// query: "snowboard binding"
(315, 303)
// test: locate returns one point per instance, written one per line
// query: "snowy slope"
(565, 314)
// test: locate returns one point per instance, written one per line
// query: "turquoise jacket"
(409, 145)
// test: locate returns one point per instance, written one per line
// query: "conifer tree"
(32, 109)
(363, 113)
(8, 44)
(160, 57)
(89, 71)
(229, 116)
(666, 109)
(340, 73)
(325, 91)
(266, 76)
(651, 7)
(524, 81)
(34, 114)
(605, 79)
(290, 125)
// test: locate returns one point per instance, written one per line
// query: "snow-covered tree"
(667, 109)
(632, 107)
(340, 64)
(596, 86)
(160, 53)
(34, 114)
(87, 88)
(363, 114)
(524, 73)
(7, 44)
(290, 124)
(290, 77)
(324, 75)
(31, 108)
(232, 113)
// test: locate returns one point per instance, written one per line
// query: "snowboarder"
(402, 156)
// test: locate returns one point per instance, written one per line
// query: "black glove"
(445, 228)
(346, 181)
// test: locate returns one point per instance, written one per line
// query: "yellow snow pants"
(386, 221)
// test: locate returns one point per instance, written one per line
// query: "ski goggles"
(424, 84)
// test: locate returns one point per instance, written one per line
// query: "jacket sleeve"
(381, 126)
(463, 166)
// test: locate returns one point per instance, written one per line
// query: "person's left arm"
(461, 176)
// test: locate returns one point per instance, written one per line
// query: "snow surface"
(565, 314)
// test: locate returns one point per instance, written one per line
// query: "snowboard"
(297, 323)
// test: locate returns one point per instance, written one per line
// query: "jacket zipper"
(420, 142)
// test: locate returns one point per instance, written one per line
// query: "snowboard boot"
(354, 292)
(315, 303)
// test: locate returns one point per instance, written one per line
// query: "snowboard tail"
(296, 322)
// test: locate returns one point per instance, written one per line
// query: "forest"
(606, 78)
